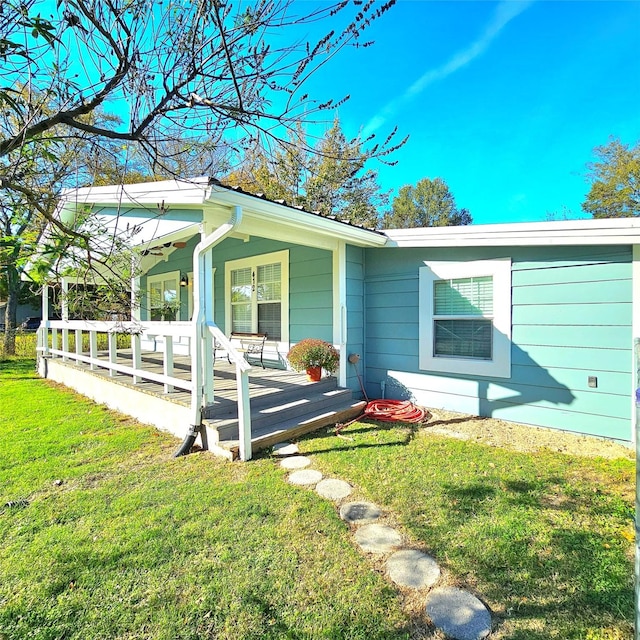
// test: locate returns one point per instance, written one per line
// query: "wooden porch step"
(285, 408)
(295, 427)
(265, 392)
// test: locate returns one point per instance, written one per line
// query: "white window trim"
(161, 277)
(254, 261)
(500, 364)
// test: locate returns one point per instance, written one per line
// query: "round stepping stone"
(295, 462)
(285, 449)
(458, 614)
(305, 477)
(333, 489)
(359, 512)
(378, 538)
(412, 568)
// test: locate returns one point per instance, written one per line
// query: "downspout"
(202, 315)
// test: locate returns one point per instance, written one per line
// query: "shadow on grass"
(406, 434)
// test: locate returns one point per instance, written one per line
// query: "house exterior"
(532, 323)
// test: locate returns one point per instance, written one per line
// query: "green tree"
(429, 203)
(329, 177)
(218, 75)
(339, 184)
(615, 181)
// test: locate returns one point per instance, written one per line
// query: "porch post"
(135, 299)
(43, 331)
(64, 302)
(244, 414)
(207, 359)
(340, 308)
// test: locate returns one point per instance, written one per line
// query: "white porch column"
(135, 299)
(65, 315)
(207, 341)
(43, 333)
(340, 308)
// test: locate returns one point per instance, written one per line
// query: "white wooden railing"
(53, 341)
(162, 339)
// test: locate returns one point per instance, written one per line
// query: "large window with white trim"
(257, 293)
(465, 317)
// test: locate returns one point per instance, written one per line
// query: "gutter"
(202, 318)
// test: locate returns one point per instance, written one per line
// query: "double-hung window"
(465, 317)
(257, 291)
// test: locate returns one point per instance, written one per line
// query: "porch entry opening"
(256, 300)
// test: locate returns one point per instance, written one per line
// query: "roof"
(203, 193)
(563, 232)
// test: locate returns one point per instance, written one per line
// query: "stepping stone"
(458, 614)
(295, 462)
(412, 568)
(359, 512)
(333, 489)
(378, 538)
(305, 477)
(285, 449)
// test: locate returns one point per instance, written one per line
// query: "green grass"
(115, 539)
(546, 539)
(135, 544)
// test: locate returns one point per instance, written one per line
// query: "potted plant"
(313, 355)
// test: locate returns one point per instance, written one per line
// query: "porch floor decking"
(284, 404)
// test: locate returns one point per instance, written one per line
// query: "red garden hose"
(395, 411)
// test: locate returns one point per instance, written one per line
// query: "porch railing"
(95, 343)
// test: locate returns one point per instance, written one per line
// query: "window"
(465, 317)
(258, 295)
(163, 302)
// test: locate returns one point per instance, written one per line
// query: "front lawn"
(104, 535)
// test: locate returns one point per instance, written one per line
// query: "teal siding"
(310, 282)
(310, 294)
(355, 315)
(571, 319)
(180, 260)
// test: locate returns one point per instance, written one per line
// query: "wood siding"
(571, 319)
(355, 316)
(310, 282)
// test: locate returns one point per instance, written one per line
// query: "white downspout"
(201, 376)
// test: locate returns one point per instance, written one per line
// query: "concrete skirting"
(145, 407)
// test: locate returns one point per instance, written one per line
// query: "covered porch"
(114, 364)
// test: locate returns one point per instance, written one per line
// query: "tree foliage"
(188, 82)
(615, 181)
(429, 203)
(329, 177)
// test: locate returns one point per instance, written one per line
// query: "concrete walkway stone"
(412, 568)
(333, 489)
(285, 449)
(360, 512)
(305, 477)
(458, 614)
(295, 462)
(378, 538)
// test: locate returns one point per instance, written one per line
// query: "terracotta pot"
(314, 374)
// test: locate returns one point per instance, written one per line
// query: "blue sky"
(504, 100)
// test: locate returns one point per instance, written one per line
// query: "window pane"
(269, 319)
(241, 277)
(463, 297)
(463, 339)
(241, 318)
(269, 276)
